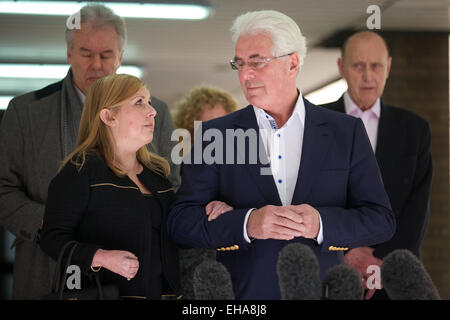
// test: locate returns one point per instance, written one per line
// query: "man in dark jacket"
(401, 142)
(322, 189)
(40, 128)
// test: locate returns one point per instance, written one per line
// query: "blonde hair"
(194, 103)
(93, 135)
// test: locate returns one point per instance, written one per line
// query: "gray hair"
(98, 15)
(284, 31)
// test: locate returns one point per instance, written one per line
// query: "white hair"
(284, 32)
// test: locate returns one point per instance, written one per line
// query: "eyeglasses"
(253, 63)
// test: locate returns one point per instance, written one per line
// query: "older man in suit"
(322, 187)
(40, 128)
(401, 142)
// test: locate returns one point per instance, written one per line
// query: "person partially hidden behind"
(401, 141)
(112, 194)
(202, 104)
(322, 187)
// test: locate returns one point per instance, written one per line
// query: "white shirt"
(283, 147)
(369, 117)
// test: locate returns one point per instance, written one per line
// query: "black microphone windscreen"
(212, 282)
(190, 258)
(298, 273)
(404, 277)
(342, 283)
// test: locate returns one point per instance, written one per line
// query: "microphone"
(342, 283)
(212, 282)
(298, 273)
(404, 277)
(190, 258)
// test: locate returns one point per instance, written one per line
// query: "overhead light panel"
(4, 101)
(50, 71)
(47, 73)
(190, 10)
(328, 93)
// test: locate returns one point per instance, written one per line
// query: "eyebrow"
(143, 97)
(89, 50)
(370, 62)
(256, 55)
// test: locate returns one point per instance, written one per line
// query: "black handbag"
(106, 292)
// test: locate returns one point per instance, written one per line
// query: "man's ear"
(108, 117)
(294, 63)
(119, 60)
(388, 67)
(69, 55)
(340, 64)
(121, 57)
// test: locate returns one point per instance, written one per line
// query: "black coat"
(404, 157)
(102, 210)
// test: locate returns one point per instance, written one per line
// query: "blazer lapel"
(264, 182)
(388, 133)
(317, 139)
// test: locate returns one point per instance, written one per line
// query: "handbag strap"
(61, 285)
(99, 287)
(58, 267)
(69, 259)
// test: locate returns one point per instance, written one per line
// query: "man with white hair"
(323, 188)
(40, 128)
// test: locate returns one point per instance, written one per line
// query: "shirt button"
(278, 135)
(279, 156)
(280, 181)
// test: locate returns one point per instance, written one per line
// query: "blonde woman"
(112, 195)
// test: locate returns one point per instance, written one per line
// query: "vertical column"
(419, 81)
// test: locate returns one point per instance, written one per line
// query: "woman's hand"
(121, 262)
(215, 208)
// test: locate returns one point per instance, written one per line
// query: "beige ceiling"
(179, 55)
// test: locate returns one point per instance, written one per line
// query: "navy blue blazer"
(338, 175)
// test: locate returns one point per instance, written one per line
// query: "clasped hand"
(275, 222)
(284, 223)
